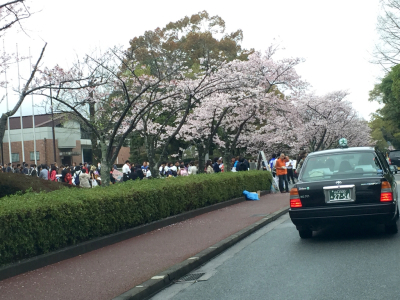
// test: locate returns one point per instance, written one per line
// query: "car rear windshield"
(394, 153)
(341, 166)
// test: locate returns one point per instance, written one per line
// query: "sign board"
(263, 159)
(70, 153)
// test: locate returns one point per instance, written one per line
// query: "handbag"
(94, 183)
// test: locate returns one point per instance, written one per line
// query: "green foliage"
(385, 124)
(34, 224)
(13, 183)
(190, 38)
(384, 131)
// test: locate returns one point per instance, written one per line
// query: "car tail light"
(295, 201)
(386, 192)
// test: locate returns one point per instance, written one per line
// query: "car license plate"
(337, 195)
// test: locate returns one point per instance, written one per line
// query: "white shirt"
(289, 164)
(148, 173)
(192, 170)
(126, 169)
(174, 168)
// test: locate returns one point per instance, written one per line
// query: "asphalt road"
(274, 263)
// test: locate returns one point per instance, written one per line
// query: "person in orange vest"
(281, 172)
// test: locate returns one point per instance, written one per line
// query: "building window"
(32, 155)
(15, 157)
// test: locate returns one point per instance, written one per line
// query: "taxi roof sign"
(343, 143)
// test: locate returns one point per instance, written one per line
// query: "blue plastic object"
(250, 196)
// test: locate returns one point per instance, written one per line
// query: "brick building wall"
(44, 147)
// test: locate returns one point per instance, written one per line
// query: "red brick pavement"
(112, 270)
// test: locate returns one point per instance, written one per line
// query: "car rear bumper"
(316, 218)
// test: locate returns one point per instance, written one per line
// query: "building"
(72, 142)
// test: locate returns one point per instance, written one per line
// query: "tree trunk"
(149, 145)
(201, 153)
(227, 161)
(96, 151)
(105, 165)
(226, 155)
(3, 124)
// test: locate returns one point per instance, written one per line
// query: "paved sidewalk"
(112, 270)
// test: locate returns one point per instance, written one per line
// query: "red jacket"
(68, 178)
(53, 176)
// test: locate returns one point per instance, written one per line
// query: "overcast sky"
(336, 38)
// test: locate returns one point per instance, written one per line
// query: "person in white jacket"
(84, 179)
(192, 170)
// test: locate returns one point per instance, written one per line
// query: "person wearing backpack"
(243, 164)
(76, 179)
(25, 170)
(183, 171)
(216, 165)
(32, 171)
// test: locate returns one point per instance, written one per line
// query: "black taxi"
(344, 185)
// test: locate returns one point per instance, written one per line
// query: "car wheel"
(391, 228)
(305, 233)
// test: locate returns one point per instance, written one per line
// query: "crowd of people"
(87, 176)
(131, 171)
(82, 175)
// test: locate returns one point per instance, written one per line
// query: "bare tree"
(387, 50)
(11, 13)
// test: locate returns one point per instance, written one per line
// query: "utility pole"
(20, 113)
(33, 114)
(52, 125)
(8, 118)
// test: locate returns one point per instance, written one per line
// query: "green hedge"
(34, 224)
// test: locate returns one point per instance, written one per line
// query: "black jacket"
(63, 174)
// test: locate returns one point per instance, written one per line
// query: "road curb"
(44, 260)
(163, 279)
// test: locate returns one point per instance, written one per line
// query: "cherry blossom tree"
(11, 13)
(121, 98)
(161, 125)
(322, 121)
(259, 100)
